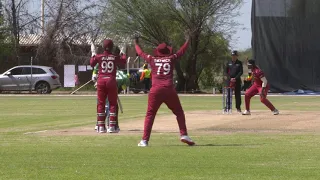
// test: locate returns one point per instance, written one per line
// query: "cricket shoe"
(113, 130)
(101, 129)
(143, 143)
(187, 140)
(246, 112)
(117, 130)
(275, 112)
(96, 127)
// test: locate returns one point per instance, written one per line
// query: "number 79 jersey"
(162, 70)
(162, 67)
(107, 64)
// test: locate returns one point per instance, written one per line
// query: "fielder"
(261, 86)
(106, 84)
(162, 90)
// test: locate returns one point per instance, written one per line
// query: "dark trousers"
(146, 84)
(237, 94)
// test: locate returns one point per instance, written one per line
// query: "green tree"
(243, 56)
(5, 42)
(247, 53)
(210, 72)
(165, 21)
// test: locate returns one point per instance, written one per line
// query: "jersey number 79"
(165, 66)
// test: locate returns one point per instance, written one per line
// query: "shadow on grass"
(229, 145)
(220, 145)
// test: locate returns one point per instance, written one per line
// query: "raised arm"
(93, 60)
(123, 59)
(140, 53)
(184, 47)
(122, 54)
(182, 50)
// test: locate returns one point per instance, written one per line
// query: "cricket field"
(53, 137)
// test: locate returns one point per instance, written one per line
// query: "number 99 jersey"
(107, 64)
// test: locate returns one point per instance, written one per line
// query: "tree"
(165, 20)
(247, 53)
(204, 17)
(5, 45)
(243, 56)
(4, 29)
(18, 20)
(71, 25)
(210, 72)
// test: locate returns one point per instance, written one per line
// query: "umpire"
(234, 70)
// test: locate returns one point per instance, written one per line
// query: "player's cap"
(163, 50)
(234, 53)
(107, 44)
(251, 62)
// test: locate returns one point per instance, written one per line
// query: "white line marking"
(35, 132)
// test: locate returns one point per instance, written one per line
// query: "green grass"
(232, 156)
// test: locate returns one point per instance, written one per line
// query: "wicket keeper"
(261, 86)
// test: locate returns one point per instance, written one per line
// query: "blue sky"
(241, 40)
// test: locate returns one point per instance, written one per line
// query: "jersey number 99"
(107, 66)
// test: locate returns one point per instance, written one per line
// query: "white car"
(41, 79)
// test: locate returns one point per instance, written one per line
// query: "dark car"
(135, 85)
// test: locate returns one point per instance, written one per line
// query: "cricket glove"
(93, 50)
(94, 77)
(122, 50)
(232, 84)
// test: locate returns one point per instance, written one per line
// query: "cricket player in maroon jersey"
(260, 86)
(106, 84)
(162, 90)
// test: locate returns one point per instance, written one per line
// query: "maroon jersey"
(162, 67)
(257, 74)
(107, 63)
